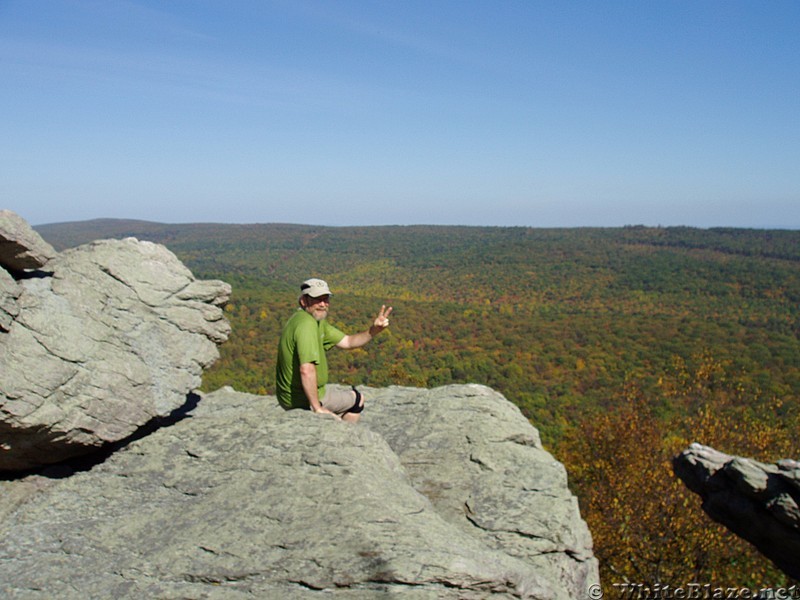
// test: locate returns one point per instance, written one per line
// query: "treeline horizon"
(683, 334)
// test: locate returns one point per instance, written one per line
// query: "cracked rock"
(111, 335)
(21, 248)
(482, 464)
(756, 501)
(246, 500)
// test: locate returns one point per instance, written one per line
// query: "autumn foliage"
(647, 527)
(621, 345)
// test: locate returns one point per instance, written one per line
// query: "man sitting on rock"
(302, 369)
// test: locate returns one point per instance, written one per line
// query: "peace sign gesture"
(381, 321)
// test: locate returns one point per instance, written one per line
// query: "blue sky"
(494, 112)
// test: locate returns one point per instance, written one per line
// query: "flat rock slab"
(242, 499)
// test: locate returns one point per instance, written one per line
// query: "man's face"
(316, 307)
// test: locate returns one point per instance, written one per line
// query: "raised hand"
(381, 321)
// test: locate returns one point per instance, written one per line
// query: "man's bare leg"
(351, 417)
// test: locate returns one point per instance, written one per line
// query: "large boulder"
(482, 465)
(21, 248)
(97, 341)
(9, 292)
(757, 501)
(436, 494)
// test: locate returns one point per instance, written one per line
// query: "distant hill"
(71, 234)
(774, 243)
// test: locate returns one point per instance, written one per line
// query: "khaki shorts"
(338, 400)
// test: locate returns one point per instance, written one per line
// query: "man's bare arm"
(308, 378)
(356, 340)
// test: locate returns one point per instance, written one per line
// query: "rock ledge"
(757, 501)
(441, 494)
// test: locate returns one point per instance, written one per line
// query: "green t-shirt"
(304, 340)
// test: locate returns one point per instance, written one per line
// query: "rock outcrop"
(436, 494)
(443, 493)
(757, 501)
(21, 248)
(95, 341)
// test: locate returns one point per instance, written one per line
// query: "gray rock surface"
(436, 494)
(757, 501)
(107, 337)
(9, 292)
(21, 248)
(482, 465)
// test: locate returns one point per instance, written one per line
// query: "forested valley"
(621, 345)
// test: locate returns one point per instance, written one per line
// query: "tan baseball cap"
(314, 288)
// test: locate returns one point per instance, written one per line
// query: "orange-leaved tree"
(647, 526)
